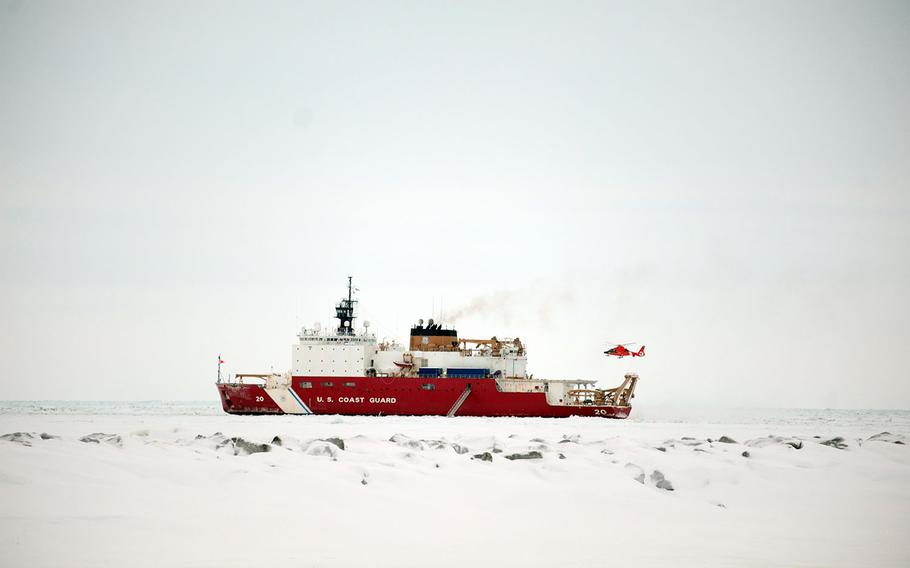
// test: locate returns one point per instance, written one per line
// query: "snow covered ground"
(181, 484)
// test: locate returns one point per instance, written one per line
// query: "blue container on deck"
(429, 372)
(467, 373)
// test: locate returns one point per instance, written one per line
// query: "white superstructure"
(433, 351)
(330, 354)
(319, 354)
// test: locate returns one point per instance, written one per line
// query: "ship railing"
(264, 377)
(487, 353)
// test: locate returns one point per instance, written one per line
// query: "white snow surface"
(175, 484)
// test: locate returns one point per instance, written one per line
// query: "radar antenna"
(344, 311)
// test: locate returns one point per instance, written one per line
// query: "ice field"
(182, 484)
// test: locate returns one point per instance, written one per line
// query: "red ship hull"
(400, 396)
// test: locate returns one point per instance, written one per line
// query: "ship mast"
(344, 311)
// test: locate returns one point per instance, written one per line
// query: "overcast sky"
(727, 183)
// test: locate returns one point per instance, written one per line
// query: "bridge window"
(350, 384)
(428, 386)
(328, 384)
(306, 385)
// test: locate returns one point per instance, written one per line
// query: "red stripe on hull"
(406, 396)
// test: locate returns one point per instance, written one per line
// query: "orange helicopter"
(620, 350)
